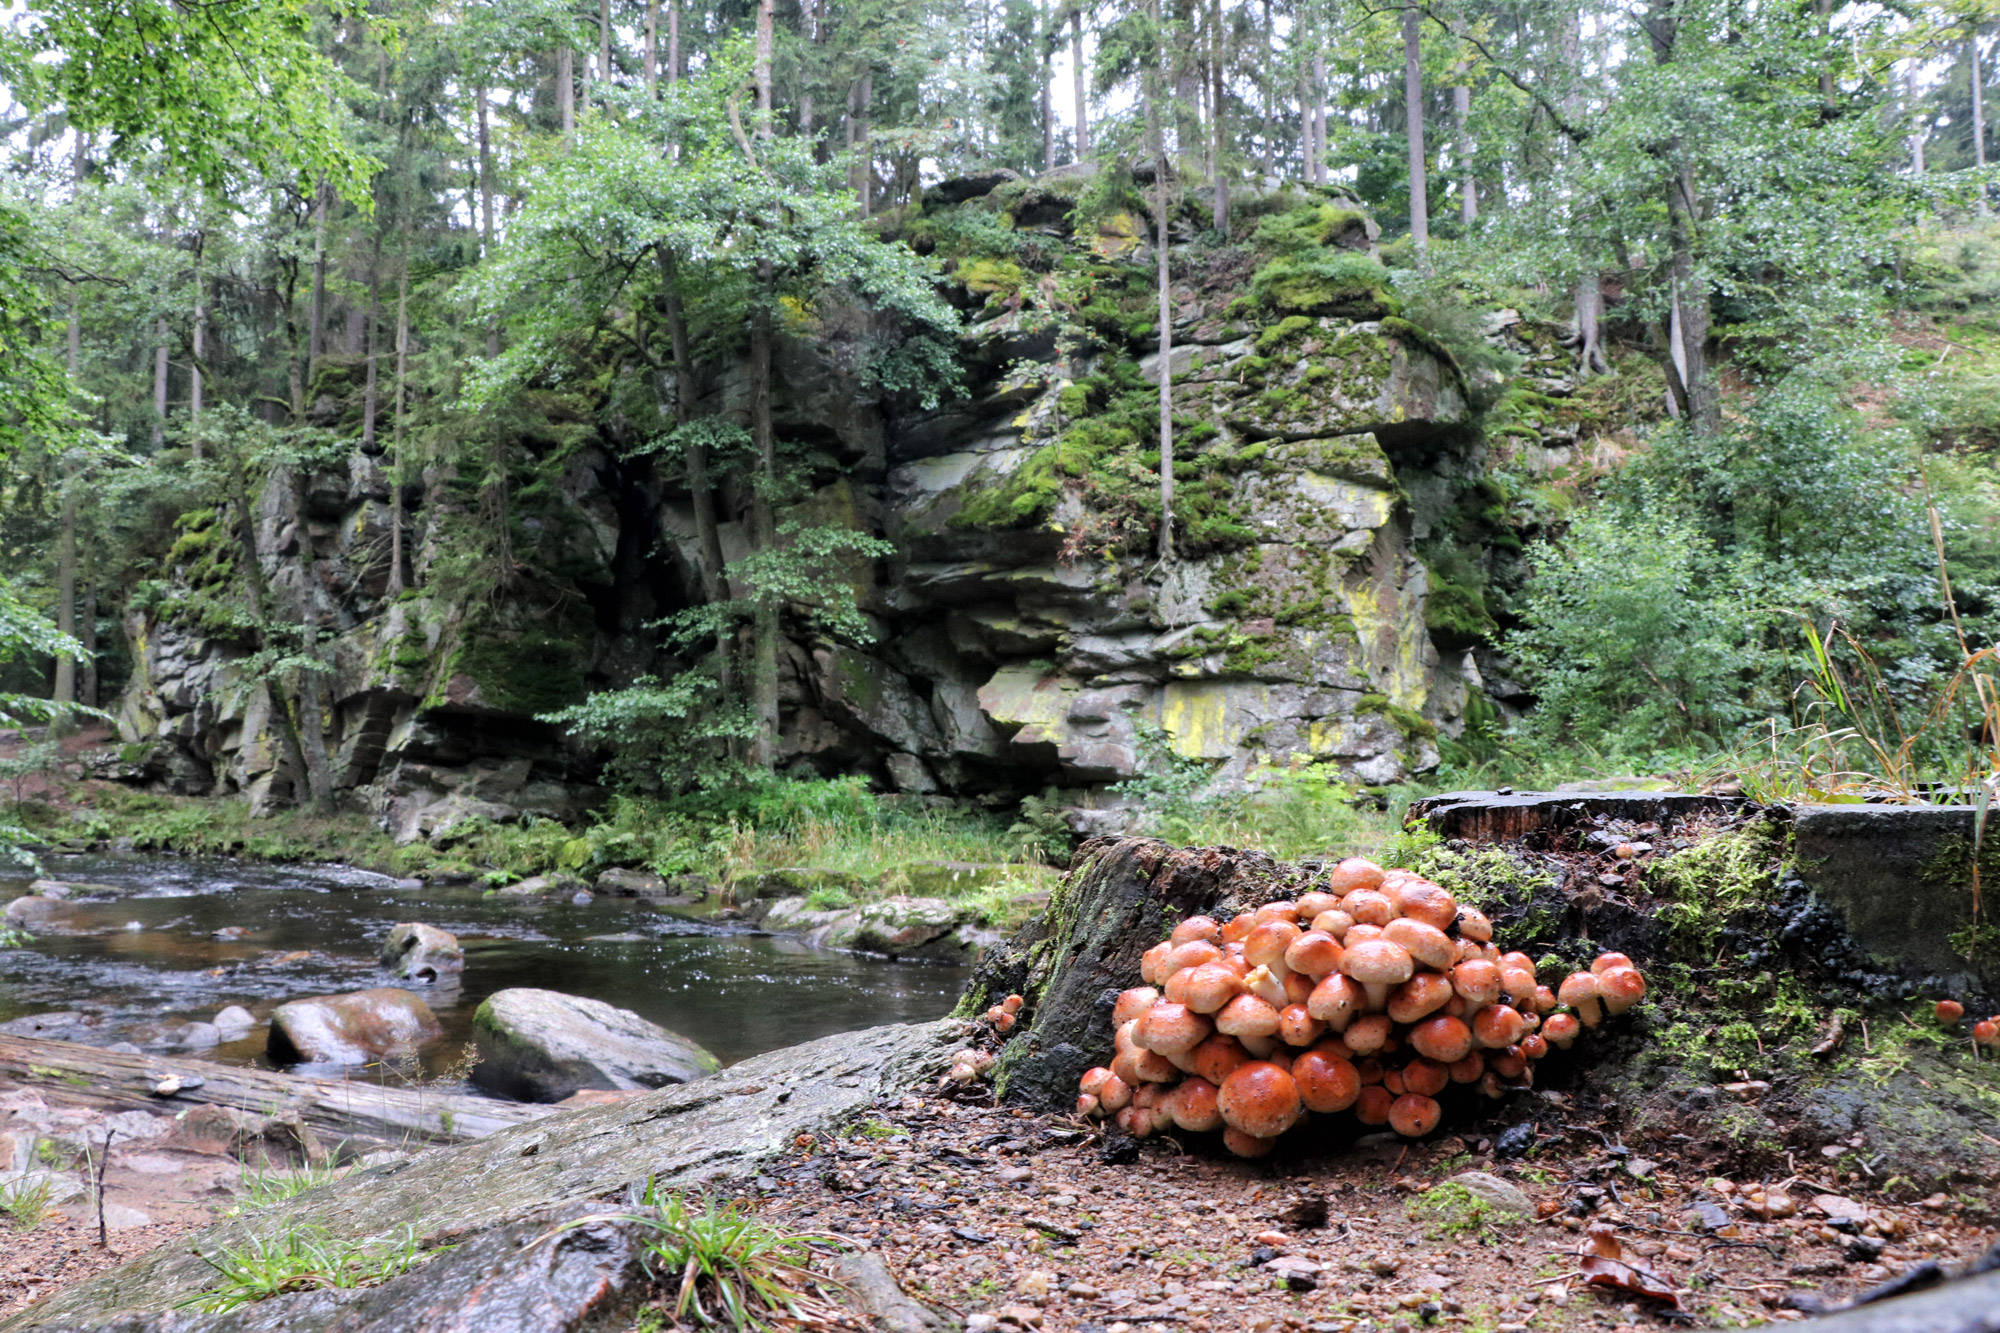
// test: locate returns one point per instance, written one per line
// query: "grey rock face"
(677, 1136)
(422, 953)
(351, 1029)
(544, 1046)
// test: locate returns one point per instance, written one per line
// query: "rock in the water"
(1499, 1197)
(34, 909)
(624, 883)
(418, 952)
(544, 1046)
(233, 1021)
(351, 1029)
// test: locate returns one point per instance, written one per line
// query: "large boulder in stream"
(421, 953)
(34, 909)
(351, 1029)
(544, 1046)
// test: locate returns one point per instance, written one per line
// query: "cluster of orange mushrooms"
(1372, 995)
(1986, 1032)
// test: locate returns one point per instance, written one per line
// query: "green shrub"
(1324, 284)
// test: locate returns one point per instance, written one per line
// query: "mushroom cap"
(1620, 988)
(1367, 1034)
(1515, 958)
(1359, 931)
(1491, 1086)
(1260, 1098)
(1949, 1011)
(1442, 1038)
(1192, 954)
(1497, 1026)
(1298, 987)
(1238, 926)
(1392, 1079)
(1422, 995)
(1987, 1031)
(1578, 988)
(1197, 928)
(1314, 953)
(1124, 1037)
(1266, 983)
(1370, 907)
(1193, 1106)
(1467, 1070)
(1267, 943)
(1133, 1004)
(1371, 1107)
(1510, 1063)
(1261, 1048)
(1426, 1077)
(1414, 1115)
(1382, 962)
(1247, 1016)
(1326, 1082)
(1012, 1004)
(1205, 989)
(1246, 1145)
(1517, 984)
(1604, 962)
(1093, 1080)
(1170, 1029)
(1560, 1029)
(1336, 1000)
(1474, 925)
(1150, 962)
(1088, 1106)
(1312, 904)
(1534, 1046)
(1478, 981)
(1217, 1058)
(1136, 1121)
(1424, 942)
(1114, 1094)
(1421, 900)
(1333, 922)
(1368, 1069)
(1297, 1027)
(1356, 872)
(1139, 1066)
(1282, 910)
(1545, 999)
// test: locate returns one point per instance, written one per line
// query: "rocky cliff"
(1337, 540)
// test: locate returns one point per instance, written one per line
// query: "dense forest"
(459, 412)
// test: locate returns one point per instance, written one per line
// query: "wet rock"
(34, 909)
(232, 1021)
(1499, 1196)
(544, 1046)
(418, 952)
(351, 1029)
(624, 883)
(188, 1037)
(536, 886)
(61, 1025)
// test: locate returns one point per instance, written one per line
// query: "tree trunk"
(1978, 114)
(1589, 302)
(1218, 59)
(566, 91)
(761, 72)
(1319, 117)
(701, 487)
(312, 721)
(673, 40)
(763, 533)
(200, 344)
(1048, 37)
(604, 42)
(1468, 181)
(160, 384)
(1919, 129)
(1269, 96)
(864, 137)
(486, 204)
(1689, 372)
(65, 690)
(1156, 144)
(368, 394)
(89, 634)
(1413, 116)
(652, 46)
(316, 317)
(395, 585)
(1080, 85)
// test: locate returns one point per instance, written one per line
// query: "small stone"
(1747, 1089)
(1015, 1174)
(1499, 1196)
(1641, 1168)
(1035, 1285)
(1119, 1150)
(1864, 1249)
(1384, 1265)
(981, 1323)
(1081, 1291)
(1514, 1142)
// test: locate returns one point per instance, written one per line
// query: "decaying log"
(67, 1073)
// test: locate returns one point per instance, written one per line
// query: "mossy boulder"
(543, 1046)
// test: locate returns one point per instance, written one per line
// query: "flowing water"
(167, 941)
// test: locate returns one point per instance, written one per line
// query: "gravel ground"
(63, 1250)
(1020, 1221)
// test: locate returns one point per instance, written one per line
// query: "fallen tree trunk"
(66, 1073)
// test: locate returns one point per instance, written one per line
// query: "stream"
(144, 955)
